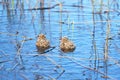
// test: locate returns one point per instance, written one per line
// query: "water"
(20, 26)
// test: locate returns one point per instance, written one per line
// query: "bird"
(42, 43)
(66, 45)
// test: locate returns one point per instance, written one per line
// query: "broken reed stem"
(73, 60)
(3, 53)
(23, 76)
(21, 46)
(87, 22)
(15, 66)
(4, 61)
(50, 78)
(19, 50)
(58, 66)
(90, 68)
(57, 56)
(115, 61)
(9, 34)
(18, 55)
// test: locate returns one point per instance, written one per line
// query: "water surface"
(94, 27)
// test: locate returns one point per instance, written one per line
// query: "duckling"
(66, 45)
(42, 43)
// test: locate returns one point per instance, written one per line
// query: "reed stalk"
(60, 5)
(107, 42)
(101, 5)
(107, 35)
(57, 65)
(72, 29)
(93, 33)
(68, 19)
(12, 4)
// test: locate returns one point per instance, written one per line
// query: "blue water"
(19, 28)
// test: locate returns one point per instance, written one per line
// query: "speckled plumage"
(42, 43)
(66, 45)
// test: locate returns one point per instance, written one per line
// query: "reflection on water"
(93, 26)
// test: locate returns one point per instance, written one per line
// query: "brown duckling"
(66, 45)
(42, 43)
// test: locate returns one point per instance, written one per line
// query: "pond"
(93, 26)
